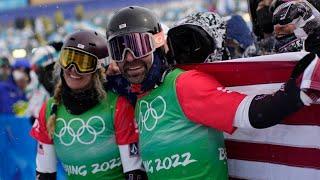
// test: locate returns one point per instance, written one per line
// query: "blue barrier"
(18, 149)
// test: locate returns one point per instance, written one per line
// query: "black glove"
(136, 175)
(270, 109)
(46, 176)
(302, 65)
(312, 43)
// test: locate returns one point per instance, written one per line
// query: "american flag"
(288, 151)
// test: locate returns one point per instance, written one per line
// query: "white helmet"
(44, 56)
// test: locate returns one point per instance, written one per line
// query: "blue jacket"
(9, 95)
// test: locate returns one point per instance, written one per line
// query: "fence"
(18, 149)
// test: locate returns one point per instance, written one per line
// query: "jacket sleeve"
(39, 129)
(46, 160)
(126, 133)
(205, 101)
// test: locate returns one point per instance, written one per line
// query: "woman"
(89, 130)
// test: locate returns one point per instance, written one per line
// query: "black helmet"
(132, 19)
(197, 38)
(190, 44)
(277, 3)
(87, 41)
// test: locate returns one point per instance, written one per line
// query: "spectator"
(42, 61)
(300, 18)
(239, 40)
(5, 68)
(262, 26)
(208, 32)
(204, 33)
(21, 73)
(12, 96)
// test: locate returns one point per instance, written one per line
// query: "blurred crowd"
(29, 48)
(29, 33)
(276, 26)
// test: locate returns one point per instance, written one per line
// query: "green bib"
(85, 144)
(172, 146)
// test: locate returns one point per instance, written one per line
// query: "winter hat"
(238, 30)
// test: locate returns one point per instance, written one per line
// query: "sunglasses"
(84, 62)
(138, 44)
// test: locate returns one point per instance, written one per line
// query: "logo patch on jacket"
(134, 150)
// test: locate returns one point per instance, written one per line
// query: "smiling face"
(135, 70)
(76, 81)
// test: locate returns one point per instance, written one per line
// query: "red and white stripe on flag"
(290, 150)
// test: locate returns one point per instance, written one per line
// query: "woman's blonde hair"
(98, 79)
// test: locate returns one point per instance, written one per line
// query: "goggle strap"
(159, 39)
(134, 56)
(100, 62)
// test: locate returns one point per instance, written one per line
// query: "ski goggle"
(138, 44)
(84, 62)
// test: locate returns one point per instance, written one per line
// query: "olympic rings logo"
(149, 119)
(76, 129)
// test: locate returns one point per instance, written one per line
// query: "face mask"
(288, 43)
(266, 45)
(264, 20)
(18, 75)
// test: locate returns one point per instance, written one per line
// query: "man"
(286, 39)
(12, 97)
(179, 112)
(42, 85)
(299, 18)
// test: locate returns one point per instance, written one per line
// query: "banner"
(18, 150)
(290, 150)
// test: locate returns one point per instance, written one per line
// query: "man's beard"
(136, 78)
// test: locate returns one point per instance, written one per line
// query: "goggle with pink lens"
(138, 44)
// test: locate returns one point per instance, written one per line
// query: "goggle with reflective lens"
(139, 44)
(84, 62)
